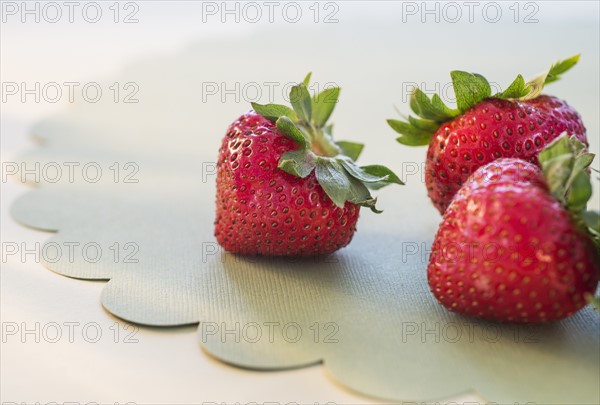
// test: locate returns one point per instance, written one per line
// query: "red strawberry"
(516, 123)
(508, 250)
(284, 188)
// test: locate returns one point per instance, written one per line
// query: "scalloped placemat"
(365, 312)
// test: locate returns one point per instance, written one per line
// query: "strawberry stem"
(322, 143)
(332, 163)
(470, 89)
(565, 163)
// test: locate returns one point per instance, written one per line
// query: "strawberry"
(514, 244)
(284, 187)
(518, 122)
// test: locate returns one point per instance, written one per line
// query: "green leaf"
(592, 220)
(577, 145)
(359, 194)
(442, 108)
(561, 67)
(579, 192)
(290, 130)
(334, 181)
(323, 105)
(424, 108)
(306, 80)
(565, 163)
(582, 161)
(333, 163)
(556, 171)
(359, 173)
(411, 135)
(351, 149)
(273, 111)
(381, 171)
(516, 89)
(470, 89)
(536, 85)
(299, 163)
(302, 102)
(425, 125)
(558, 147)
(421, 105)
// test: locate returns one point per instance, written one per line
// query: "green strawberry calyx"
(565, 163)
(333, 162)
(470, 89)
